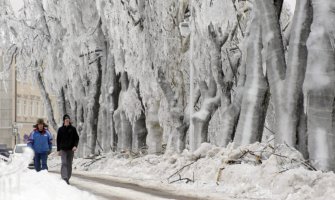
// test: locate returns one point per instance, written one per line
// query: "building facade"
(30, 107)
(7, 135)
(21, 105)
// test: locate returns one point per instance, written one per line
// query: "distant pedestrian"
(67, 143)
(40, 140)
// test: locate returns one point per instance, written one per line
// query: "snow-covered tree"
(137, 74)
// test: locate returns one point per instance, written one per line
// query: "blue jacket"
(40, 142)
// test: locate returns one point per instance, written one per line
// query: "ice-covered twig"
(178, 172)
(181, 179)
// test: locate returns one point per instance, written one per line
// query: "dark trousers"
(66, 168)
(41, 157)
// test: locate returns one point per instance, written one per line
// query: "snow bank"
(17, 182)
(257, 171)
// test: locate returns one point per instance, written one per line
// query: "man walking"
(67, 142)
(40, 140)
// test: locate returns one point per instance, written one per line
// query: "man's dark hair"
(66, 116)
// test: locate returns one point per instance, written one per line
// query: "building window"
(41, 110)
(19, 107)
(29, 108)
(25, 109)
(44, 111)
(35, 108)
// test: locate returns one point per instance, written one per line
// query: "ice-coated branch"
(217, 36)
(91, 52)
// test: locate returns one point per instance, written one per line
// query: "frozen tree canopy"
(169, 75)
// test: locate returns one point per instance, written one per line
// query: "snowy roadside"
(256, 171)
(17, 182)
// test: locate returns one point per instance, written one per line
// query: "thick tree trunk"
(319, 86)
(139, 134)
(288, 119)
(103, 123)
(177, 138)
(229, 118)
(139, 128)
(302, 137)
(114, 89)
(93, 108)
(113, 100)
(229, 111)
(123, 126)
(254, 103)
(124, 131)
(201, 118)
(274, 59)
(155, 131)
(61, 102)
(46, 101)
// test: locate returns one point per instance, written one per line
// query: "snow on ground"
(19, 183)
(257, 171)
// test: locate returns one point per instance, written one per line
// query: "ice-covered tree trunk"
(113, 99)
(139, 134)
(154, 138)
(254, 102)
(111, 85)
(123, 130)
(123, 126)
(93, 107)
(230, 110)
(80, 116)
(291, 111)
(46, 100)
(201, 118)
(212, 94)
(61, 102)
(110, 94)
(274, 59)
(139, 127)
(302, 137)
(319, 86)
(177, 136)
(230, 114)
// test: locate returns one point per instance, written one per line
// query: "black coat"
(67, 138)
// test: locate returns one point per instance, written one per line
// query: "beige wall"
(30, 107)
(6, 111)
(20, 107)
